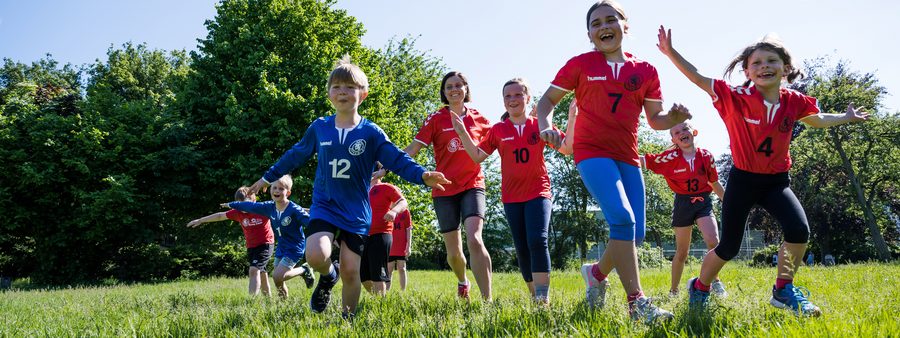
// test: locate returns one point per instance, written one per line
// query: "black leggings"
(773, 193)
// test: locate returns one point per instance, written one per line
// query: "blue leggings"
(530, 222)
(619, 189)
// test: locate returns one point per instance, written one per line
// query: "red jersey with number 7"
(760, 132)
(449, 153)
(525, 174)
(685, 177)
(610, 98)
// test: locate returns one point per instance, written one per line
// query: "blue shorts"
(286, 262)
(619, 189)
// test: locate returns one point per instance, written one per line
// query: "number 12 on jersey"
(339, 168)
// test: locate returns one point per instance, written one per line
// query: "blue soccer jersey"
(346, 160)
(287, 225)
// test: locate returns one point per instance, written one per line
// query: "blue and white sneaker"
(718, 289)
(794, 298)
(697, 299)
(642, 309)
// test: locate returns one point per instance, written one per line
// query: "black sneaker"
(322, 294)
(307, 275)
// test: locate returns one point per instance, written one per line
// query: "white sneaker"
(595, 293)
(643, 309)
(718, 289)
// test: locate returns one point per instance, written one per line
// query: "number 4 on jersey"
(766, 147)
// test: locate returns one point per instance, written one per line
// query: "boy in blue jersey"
(287, 219)
(347, 146)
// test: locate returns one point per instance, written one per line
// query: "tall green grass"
(857, 300)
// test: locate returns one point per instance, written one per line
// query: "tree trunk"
(874, 231)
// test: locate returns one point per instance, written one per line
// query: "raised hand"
(390, 216)
(854, 114)
(665, 40)
(679, 113)
(194, 223)
(552, 137)
(224, 205)
(457, 121)
(435, 179)
(260, 184)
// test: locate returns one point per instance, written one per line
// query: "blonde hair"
(346, 72)
(686, 123)
(287, 181)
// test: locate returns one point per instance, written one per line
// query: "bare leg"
(278, 275)
(682, 246)
(390, 272)
(378, 288)
(401, 267)
(481, 259)
(253, 273)
(264, 283)
(453, 243)
(710, 231)
(318, 252)
(350, 278)
(624, 256)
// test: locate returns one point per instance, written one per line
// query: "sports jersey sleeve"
(426, 132)
(722, 101)
(652, 165)
(653, 92)
(233, 215)
(712, 174)
(397, 160)
(490, 141)
(303, 215)
(567, 77)
(251, 207)
(294, 157)
(809, 106)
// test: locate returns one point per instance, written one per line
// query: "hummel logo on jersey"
(596, 78)
(751, 121)
(663, 159)
(447, 129)
(680, 170)
(507, 138)
(326, 143)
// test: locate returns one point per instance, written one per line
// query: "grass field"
(857, 300)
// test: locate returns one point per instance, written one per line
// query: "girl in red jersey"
(464, 198)
(386, 202)
(400, 249)
(691, 173)
(760, 121)
(612, 88)
(525, 185)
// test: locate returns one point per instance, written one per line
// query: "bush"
(763, 256)
(650, 256)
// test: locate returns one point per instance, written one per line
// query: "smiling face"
(765, 68)
(455, 90)
(606, 29)
(682, 135)
(345, 96)
(279, 192)
(515, 99)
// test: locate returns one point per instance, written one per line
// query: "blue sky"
(493, 41)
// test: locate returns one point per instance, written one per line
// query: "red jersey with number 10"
(760, 133)
(610, 100)
(449, 153)
(684, 177)
(521, 160)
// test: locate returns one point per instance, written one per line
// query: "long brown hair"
(608, 3)
(770, 44)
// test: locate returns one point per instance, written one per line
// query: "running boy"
(346, 146)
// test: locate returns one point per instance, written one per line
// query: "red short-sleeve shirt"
(399, 243)
(683, 176)
(381, 197)
(610, 100)
(760, 133)
(452, 159)
(257, 230)
(521, 160)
